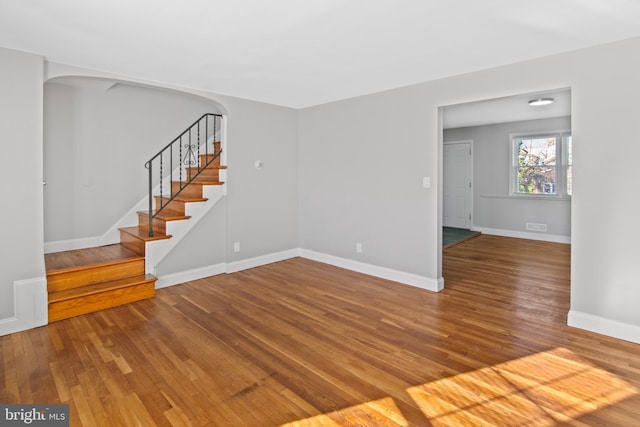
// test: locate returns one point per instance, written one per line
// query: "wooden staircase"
(87, 280)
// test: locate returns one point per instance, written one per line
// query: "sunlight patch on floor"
(538, 390)
(382, 412)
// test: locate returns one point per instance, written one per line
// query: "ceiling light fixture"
(541, 101)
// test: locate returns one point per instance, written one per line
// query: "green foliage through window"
(537, 166)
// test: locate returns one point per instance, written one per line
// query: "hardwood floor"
(301, 343)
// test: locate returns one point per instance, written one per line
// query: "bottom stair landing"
(86, 280)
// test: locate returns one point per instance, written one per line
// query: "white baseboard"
(246, 264)
(189, 275)
(29, 306)
(72, 244)
(604, 326)
(556, 238)
(434, 285)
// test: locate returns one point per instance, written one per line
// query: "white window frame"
(561, 163)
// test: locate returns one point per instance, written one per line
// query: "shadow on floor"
(452, 236)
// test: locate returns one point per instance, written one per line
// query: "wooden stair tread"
(184, 184)
(203, 182)
(59, 296)
(166, 216)
(186, 199)
(143, 233)
(82, 258)
(219, 167)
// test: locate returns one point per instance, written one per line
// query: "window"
(542, 164)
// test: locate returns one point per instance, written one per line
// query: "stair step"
(164, 215)
(193, 189)
(175, 207)
(185, 199)
(135, 238)
(206, 158)
(211, 174)
(99, 296)
(81, 267)
(210, 168)
(159, 223)
(96, 288)
(207, 180)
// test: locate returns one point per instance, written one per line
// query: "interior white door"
(457, 193)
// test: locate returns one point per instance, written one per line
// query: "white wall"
(21, 234)
(361, 167)
(493, 207)
(262, 212)
(362, 162)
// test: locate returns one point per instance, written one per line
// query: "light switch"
(426, 182)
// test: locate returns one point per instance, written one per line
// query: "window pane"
(569, 181)
(537, 151)
(537, 179)
(569, 144)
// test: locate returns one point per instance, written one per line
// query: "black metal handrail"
(196, 142)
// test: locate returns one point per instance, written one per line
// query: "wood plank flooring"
(300, 343)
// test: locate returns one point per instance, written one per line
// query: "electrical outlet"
(236, 247)
(359, 247)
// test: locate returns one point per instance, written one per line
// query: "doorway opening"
(493, 182)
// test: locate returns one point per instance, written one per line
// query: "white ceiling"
(302, 53)
(508, 109)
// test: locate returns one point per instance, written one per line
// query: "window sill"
(550, 198)
(540, 197)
